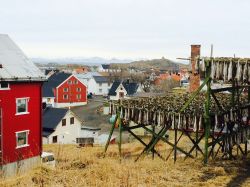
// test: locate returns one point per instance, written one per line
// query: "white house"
(63, 126)
(95, 82)
(103, 85)
(107, 68)
(123, 89)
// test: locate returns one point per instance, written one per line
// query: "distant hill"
(159, 64)
(80, 60)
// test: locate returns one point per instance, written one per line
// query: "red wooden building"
(64, 90)
(20, 109)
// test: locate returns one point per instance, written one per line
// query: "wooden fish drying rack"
(224, 123)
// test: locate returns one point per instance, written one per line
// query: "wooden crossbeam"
(217, 101)
(195, 143)
(153, 142)
(169, 143)
(143, 143)
(194, 95)
(174, 147)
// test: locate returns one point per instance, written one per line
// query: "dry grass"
(87, 167)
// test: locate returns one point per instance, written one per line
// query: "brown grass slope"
(87, 167)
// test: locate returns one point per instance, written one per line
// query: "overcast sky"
(127, 28)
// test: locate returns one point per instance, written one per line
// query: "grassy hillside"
(87, 167)
(162, 63)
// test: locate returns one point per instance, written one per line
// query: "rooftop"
(15, 66)
(101, 79)
(53, 81)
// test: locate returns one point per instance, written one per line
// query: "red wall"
(72, 92)
(12, 123)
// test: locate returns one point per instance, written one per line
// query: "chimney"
(194, 76)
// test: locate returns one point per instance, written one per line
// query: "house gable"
(70, 77)
(120, 89)
(71, 90)
(68, 132)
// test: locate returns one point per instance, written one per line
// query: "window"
(75, 82)
(78, 96)
(22, 105)
(54, 139)
(4, 86)
(100, 84)
(22, 139)
(100, 90)
(72, 120)
(63, 122)
(69, 82)
(65, 96)
(78, 89)
(121, 94)
(65, 89)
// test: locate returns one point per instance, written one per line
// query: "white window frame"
(78, 89)
(65, 89)
(66, 97)
(8, 88)
(27, 106)
(27, 138)
(75, 81)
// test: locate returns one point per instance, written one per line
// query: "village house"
(65, 127)
(64, 90)
(20, 109)
(80, 70)
(107, 68)
(123, 89)
(96, 84)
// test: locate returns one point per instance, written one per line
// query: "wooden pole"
(153, 137)
(120, 123)
(196, 138)
(207, 111)
(248, 119)
(175, 143)
(111, 133)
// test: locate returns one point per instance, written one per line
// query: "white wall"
(104, 87)
(67, 134)
(89, 134)
(90, 83)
